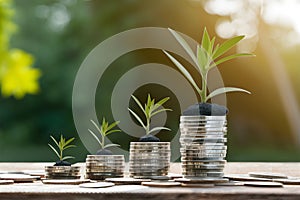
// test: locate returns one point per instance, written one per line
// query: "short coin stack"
(100, 167)
(63, 172)
(148, 159)
(203, 146)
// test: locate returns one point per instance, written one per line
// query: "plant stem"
(148, 126)
(203, 93)
(103, 138)
(61, 154)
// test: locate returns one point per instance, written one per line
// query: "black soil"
(104, 152)
(149, 138)
(206, 109)
(62, 163)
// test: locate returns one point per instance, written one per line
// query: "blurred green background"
(263, 126)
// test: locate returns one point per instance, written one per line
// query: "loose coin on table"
(161, 184)
(128, 181)
(18, 178)
(66, 181)
(263, 184)
(96, 185)
(267, 175)
(6, 182)
(244, 177)
(202, 180)
(288, 181)
(198, 185)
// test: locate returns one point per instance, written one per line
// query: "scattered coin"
(244, 177)
(160, 178)
(288, 181)
(202, 180)
(161, 184)
(198, 185)
(65, 181)
(96, 185)
(127, 180)
(266, 175)
(173, 176)
(6, 182)
(231, 183)
(263, 184)
(19, 177)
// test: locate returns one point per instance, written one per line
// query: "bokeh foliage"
(60, 33)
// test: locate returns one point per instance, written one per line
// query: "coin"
(201, 180)
(267, 175)
(66, 182)
(96, 185)
(288, 181)
(6, 182)
(17, 178)
(198, 185)
(244, 177)
(161, 184)
(263, 184)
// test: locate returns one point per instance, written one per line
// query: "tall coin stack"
(148, 159)
(203, 146)
(100, 167)
(63, 172)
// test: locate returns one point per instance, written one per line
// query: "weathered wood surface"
(69, 192)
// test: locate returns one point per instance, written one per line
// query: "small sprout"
(104, 131)
(62, 145)
(151, 108)
(207, 57)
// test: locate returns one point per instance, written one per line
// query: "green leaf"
(97, 127)
(202, 59)
(225, 90)
(138, 103)
(231, 57)
(67, 157)
(54, 140)
(111, 145)
(205, 40)
(158, 128)
(160, 103)
(54, 150)
(95, 136)
(112, 125)
(211, 47)
(185, 45)
(70, 146)
(138, 118)
(184, 71)
(69, 141)
(159, 111)
(223, 48)
(112, 131)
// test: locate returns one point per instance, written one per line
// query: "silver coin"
(63, 167)
(204, 147)
(204, 117)
(96, 185)
(263, 184)
(200, 174)
(244, 177)
(288, 181)
(126, 180)
(267, 175)
(201, 180)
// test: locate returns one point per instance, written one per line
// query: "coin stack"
(100, 167)
(149, 159)
(63, 172)
(203, 146)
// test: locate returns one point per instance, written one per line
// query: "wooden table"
(39, 191)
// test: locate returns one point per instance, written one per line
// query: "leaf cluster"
(150, 109)
(62, 145)
(104, 131)
(207, 57)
